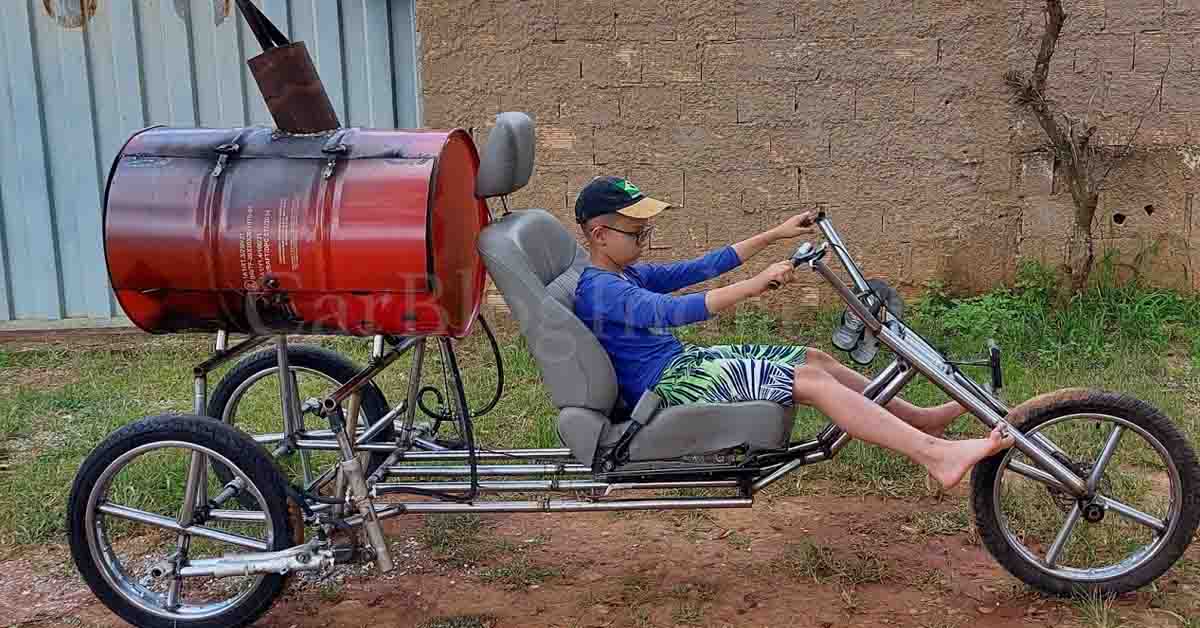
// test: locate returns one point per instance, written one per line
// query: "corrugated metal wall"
(75, 84)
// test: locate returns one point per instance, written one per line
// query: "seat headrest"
(507, 161)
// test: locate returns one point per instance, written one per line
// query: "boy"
(629, 305)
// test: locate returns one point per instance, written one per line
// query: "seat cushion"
(708, 427)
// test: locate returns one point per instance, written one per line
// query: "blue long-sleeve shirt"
(630, 313)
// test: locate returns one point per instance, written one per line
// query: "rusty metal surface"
(70, 13)
(293, 91)
(354, 232)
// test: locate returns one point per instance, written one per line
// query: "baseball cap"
(614, 195)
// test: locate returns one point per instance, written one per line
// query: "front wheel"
(1140, 521)
(131, 529)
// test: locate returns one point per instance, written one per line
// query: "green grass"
(1129, 337)
(518, 573)
(459, 540)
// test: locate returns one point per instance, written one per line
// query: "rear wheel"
(248, 398)
(1142, 518)
(126, 522)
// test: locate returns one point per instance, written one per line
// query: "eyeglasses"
(639, 236)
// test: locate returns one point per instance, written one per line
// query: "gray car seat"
(536, 263)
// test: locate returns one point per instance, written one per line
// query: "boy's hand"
(794, 227)
(776, 275)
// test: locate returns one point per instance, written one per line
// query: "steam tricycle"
(388, 235)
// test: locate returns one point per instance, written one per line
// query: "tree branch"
(1055, 16)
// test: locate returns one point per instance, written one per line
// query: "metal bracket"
(333, 148)
(224, 150)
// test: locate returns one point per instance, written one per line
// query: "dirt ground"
(902, 566)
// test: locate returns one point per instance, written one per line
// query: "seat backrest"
(536, 263)
(507, 160)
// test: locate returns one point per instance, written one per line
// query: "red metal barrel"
(248, 230)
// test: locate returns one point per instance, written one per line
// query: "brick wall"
(891, 114)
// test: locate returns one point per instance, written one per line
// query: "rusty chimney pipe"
(287, 78)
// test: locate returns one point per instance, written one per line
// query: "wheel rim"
(1131, 481)
(312, 481)
(134, 579)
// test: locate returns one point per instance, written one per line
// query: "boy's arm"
(664, 278)
(792, 227)
(724, 297)
(619, 301)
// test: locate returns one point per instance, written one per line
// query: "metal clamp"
(333, 148)
(224, 150)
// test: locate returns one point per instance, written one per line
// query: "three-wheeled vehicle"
(388, 235)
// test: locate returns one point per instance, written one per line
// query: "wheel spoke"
(149, 518)
(195, 477)
(174, 593)
(1110, 446)
(1064, 533)
(195, 488)
(1133, 514)
(1035, 474)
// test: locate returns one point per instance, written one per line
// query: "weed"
(641, 617)
(519, 573)
(939, 523)
(1098, 612)
(636, 590)
(460, 621)
(928, 579)
(688, 613)
(864, 567)
(810, 560)
(455, 539)
(738, 541)
(942, 622)
(330, 591)
(849, 598)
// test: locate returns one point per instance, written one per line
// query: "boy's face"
(621, 238)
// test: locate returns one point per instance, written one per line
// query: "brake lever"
(804, 253)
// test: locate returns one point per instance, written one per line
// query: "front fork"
(909, 345)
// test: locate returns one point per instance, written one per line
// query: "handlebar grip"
(773, 285)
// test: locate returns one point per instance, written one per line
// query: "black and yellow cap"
(614, 195)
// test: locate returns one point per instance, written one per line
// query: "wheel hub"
(1093, 512)
(1066, 501)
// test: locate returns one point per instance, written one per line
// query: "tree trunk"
(1081, 249)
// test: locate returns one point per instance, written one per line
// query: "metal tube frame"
(454, 478)
(908, 344)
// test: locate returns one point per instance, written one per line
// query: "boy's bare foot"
(957, 457)
(935, 420)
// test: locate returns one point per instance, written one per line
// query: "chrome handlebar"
(839, 249)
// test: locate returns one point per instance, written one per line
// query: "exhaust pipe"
(287, 78)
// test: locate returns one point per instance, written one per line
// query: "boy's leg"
(947, 461)
(931, 420)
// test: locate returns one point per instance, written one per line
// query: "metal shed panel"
(74, 87)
